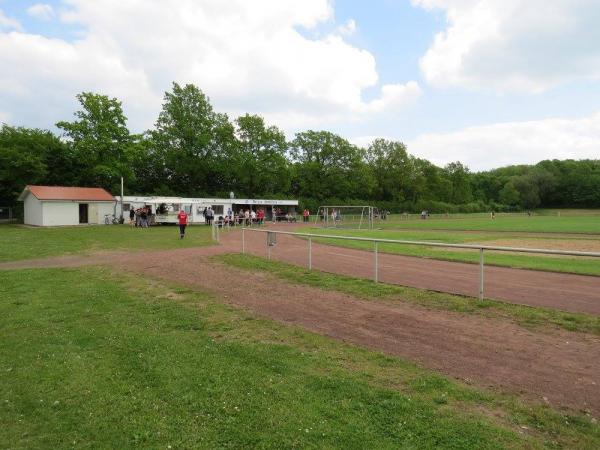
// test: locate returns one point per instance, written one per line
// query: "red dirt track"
(574, 293)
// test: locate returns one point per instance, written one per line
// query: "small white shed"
(57, 205)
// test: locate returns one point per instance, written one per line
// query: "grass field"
(579, 265)
(90, 359)
(19, 242)
(535, 224)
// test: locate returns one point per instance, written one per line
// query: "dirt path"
(560, 366)
(575, 293)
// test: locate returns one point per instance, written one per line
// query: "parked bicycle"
(110, 219)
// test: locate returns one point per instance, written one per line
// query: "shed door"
(83, 213)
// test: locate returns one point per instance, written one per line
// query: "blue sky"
(487, 82)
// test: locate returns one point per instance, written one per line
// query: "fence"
(271, 240)
(221, 225)
(6, 215)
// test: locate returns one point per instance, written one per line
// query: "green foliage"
(259, 163)
(101, 142)
(191, 143)
(327, 165)
(195, 151)
(392, 169)
(30, 156)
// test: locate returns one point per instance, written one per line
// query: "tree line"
(195, 151)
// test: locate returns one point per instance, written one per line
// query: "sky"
(486, 82)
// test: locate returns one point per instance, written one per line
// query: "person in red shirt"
(183, 218)
(306, 215)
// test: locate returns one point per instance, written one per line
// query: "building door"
(83, 213)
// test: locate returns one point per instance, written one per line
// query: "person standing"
(182, 218)
(131, 216)
(306, 214)
(144, 218)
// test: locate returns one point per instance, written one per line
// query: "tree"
(459, 177)
(101, 141)
(193, 142)
(392, 169)
(328, 166)
(260, 159)
(31, 156)
(509, 195)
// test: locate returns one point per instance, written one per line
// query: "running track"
(574, 293)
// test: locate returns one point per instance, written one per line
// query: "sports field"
(579, 233)
(585, 223)
(186, 344)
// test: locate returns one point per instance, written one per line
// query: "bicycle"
(110, 219)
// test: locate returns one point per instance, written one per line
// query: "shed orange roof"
(68, 193)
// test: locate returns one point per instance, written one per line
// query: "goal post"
(344, 216)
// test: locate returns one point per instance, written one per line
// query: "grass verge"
(524, 315)
(576, 265)
(93, 359)
(20, 242)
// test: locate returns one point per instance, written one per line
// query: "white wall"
(60, 213)
(107, 208)
(33, 210)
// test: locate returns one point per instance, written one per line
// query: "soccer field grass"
(534, 224)
(577, 265)
(20, 242)
(91, 359)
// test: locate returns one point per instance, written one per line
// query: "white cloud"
(348, 28)
(502, 144)
(7, 23)
(521, 45)
(393, 96)
(247, 56)
(41, 11)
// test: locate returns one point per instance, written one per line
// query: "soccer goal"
(361, 217)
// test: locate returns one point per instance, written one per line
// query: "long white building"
(165, 209)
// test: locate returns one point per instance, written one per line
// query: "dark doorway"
(83, 213)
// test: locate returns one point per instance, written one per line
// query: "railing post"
(376, 263)
(481, 274)
(309, 253)
(243, 241)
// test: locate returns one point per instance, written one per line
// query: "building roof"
(67, 193)
(188, 200)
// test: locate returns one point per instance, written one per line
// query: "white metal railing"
(480, 248)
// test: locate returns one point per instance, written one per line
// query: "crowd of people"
(140, 217)
(143, 217)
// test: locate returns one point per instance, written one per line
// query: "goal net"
(360, 217)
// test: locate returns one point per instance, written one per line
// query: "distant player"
(183, 218)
